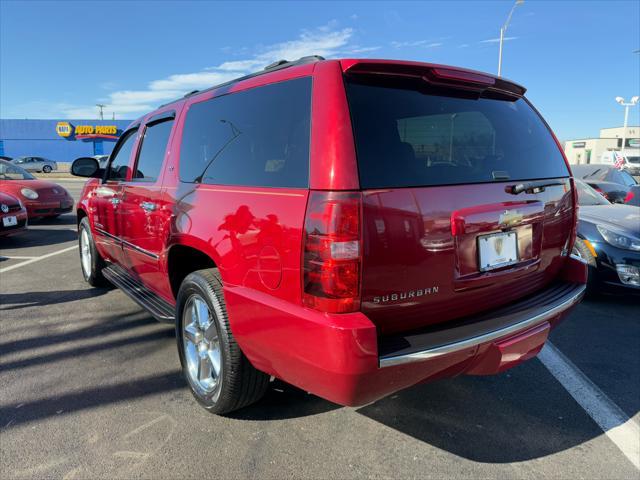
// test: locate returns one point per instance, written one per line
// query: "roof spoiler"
(440, 75)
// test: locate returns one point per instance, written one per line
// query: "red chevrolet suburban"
(352, 227)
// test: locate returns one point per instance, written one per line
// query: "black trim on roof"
(279, 65)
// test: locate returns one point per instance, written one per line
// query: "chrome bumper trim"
(393, 360)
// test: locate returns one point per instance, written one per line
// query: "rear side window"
(154, 147)
(257, 137)
(408, 135)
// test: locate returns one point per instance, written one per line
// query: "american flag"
(619, 160)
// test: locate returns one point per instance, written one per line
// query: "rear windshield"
(418, 136)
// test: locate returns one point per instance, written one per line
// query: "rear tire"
(220, 377)
(581, 250)
(46, 169)
(91, 263)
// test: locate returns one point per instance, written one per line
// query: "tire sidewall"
(194, 283)
(46, 169)
(95, 276)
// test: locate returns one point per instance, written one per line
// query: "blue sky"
(58, 59)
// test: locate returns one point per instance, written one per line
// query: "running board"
(162, 310)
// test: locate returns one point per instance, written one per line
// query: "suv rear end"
(440, 216)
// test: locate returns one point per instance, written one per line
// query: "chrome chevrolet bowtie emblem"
(4, 208)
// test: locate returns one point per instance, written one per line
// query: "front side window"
(412, 134)
(256, 137)
(152, 151)
(119, 165)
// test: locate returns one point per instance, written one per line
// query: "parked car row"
(26, 197)
(609, 241)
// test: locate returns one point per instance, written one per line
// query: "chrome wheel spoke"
(211, 332)
(205, 367)
(191, 333)
(202, 313)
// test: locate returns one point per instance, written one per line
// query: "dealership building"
(590, 150)
(59, 140)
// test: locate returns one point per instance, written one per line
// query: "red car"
(13, 215)
(40, 197)
(352, 227)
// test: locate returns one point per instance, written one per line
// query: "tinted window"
(120, 158)
(151, 156)
(258, 137)
(409, 135)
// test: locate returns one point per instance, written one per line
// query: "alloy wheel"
(201, 345)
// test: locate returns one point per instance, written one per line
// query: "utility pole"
(101, 106)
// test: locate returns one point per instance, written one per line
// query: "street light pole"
(632, 103)
(503, 30)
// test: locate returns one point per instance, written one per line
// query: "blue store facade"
(59, 140)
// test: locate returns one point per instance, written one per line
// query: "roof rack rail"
(279, 65)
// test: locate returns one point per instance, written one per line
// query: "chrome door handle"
(115, 202)
(148, 206)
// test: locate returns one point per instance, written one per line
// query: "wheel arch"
(183, 259)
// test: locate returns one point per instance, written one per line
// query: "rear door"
(445, 234)
(143, 213)
(107, 198)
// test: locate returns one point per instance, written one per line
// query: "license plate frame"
(10, 221)
(490, 257)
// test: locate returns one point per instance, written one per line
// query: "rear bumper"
(49, 208)
(340, 357)
(21, 217)
(542, 308)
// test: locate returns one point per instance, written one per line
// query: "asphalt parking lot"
(90, 388)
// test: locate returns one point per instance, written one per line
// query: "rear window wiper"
(532, 187)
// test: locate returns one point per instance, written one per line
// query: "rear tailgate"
(444, 234)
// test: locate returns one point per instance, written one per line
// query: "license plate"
(9, 221)
(497, 250)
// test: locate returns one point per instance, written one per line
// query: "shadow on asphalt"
(146, 338)
(17, 414)
(512, 417)
(96, 330)
(283, 401)
(38, 237)
(16, 301)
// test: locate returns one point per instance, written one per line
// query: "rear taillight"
(332, 252)
(629, 197)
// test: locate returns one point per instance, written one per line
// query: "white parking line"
(36, 259)
(621, 430)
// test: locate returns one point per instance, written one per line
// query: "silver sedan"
(36, 164)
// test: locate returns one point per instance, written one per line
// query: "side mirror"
(86, 167)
